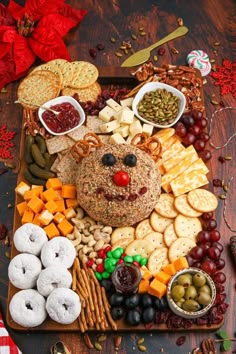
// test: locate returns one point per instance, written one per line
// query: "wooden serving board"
(109, 76)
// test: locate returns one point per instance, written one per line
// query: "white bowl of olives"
(191, 293)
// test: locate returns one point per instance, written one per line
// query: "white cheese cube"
(127, 102)
(45, 217)
(123, 130)
(136, 128)
(106, 114)
(126, 116)
(113, 104)
(147, 129)
(109, 127)
(129, 139)
(117, 139)
(22, 188)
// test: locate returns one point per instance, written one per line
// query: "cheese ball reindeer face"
(118, 185)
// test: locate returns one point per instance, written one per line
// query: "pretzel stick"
(90, 299)
(74, 276)
(136, 88)
(89, 316)
(83, 319)
(81, 279)
(81, 290)
(95, 301)
(99, 294)
(107, 309)
(82, 329)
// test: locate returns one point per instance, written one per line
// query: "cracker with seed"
(202, 200)
(105, 138)
(67, 178)
(165, 206)
(143, 228)
(122, 232)
(86, 94)
(58, 144)
(170, 235)
(64, 67)
(78, 133)
(156, 239)
(93, 123)
(187, 227)
(67, 164)
(158, 259)
(180, 248)
(123, 243)
(49, 67)
(184, 208)
(142, 247)
(85, 74)
(159, 223)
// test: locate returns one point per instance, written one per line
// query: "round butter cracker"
(158, 259)
(180, 248)
(184, 208)
(159, 223)
(142, 247)
(122, 232)
(202, 200)
(187, 227)
(156, 239)
(170, 235)
(123, 243)
(165, 206)
(143, 228)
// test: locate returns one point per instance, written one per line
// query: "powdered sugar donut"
(58, 251)
(28, 308)
(30, 238)
(23, 270)
(199, 59)
(63, 305)
(53, 277)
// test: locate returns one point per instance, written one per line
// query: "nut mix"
(159, 106)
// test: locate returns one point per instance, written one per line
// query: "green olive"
(203, 298)
(190, 292)
(185, 280)
(199, 280)
(205, 289)
(177, 292)
(191, 305)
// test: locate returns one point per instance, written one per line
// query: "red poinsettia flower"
(35, 30)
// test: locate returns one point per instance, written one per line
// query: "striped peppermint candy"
(200, 60)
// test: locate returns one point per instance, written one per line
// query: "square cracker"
(79, 133)
(67, 164)
(94, 123)
(58, 143)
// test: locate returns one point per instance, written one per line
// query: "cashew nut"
(82, 256)
(92, 254)
(99, 261)
(91, 243)
(107, 229)
(78, 247)
(86, 239)
(86, 232)
(95, 227)
(94, 267)
(87, 249)
(89, 220)
(99, 245)
(76, 242)
(78, 223)
(70, 236)
(80, 213)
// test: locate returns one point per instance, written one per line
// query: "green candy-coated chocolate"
(117, 253)
(137, 258)
(105, 275)
(143, 262)
(98, 276)
(128, 259)
(109, 254)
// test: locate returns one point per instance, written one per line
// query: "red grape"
(205, 247)
(203, 236)
(196, 252)
(190, 260)
(204, 136)
(220, 263)
(199, 145)
(196, 114)
(202, 123)
(207, 216)
(214, 235)
(218, 245)
(189, 139)
(219, 277)
(187, 120)
(208, 266)
(205, 155)
(195, 130)
(180, 129)
(210, 224)
(213, 253)
(197, 264)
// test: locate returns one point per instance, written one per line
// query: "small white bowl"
(187, 314)
(58, 100)
(153, 86)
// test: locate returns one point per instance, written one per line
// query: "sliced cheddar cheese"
(188, 181)
(176, 159)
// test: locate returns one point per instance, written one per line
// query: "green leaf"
(225, 345)
(222, 334)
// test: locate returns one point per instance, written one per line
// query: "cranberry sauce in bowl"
(126, 278)
(70, 117)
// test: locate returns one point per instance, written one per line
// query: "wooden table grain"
(208, 22)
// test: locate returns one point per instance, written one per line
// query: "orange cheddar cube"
(69, 213)
(45, 217)
(162, 277)
(35, 204)
(28, 195)
(58, 217)
(36, 220)
(36, 190)
(27, 216)
(68, 191)
(169, 269)
(146, 274)
(50, 194)
(58, 194)
(51, 230)
(53, 183)
(73, 203)
(143, 286)
(21, 188)
(22, 207)
(157, 288)
(41, 196)
(181, 263)
(51, 206)
(60, 205)
(65, 227)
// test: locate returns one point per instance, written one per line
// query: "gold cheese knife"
(144, 54)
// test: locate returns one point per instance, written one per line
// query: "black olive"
(163, 303)
(108, 159)
(130, 160)
(133, 317)
(107, 284)
(116, 299)
(132, 301)
(148, 315)
(117, 312)
(146, 300)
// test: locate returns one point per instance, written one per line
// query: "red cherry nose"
(121, 178)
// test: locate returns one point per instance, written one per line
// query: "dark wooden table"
(208, 22)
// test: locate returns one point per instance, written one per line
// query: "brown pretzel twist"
(80, 149)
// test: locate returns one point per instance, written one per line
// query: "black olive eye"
(108, 159)
(130, 160)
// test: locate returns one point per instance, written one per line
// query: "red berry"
(93, 53)
(123, 255)
(136, 263)
(101, 253)
(120, 261)
(121, 178)
(90, 263)
(100, 268)
(107, 249)
(161, 51)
